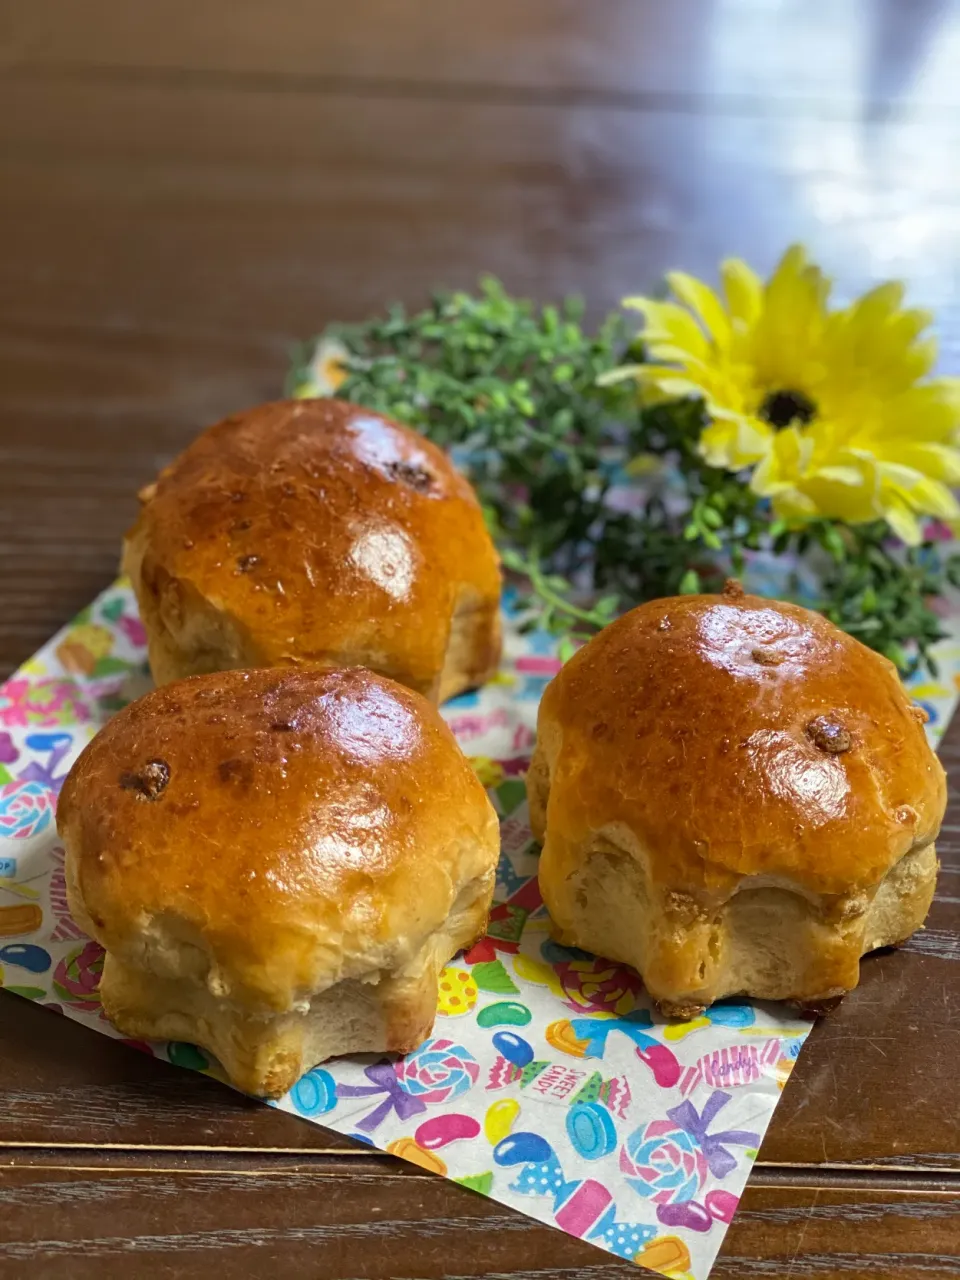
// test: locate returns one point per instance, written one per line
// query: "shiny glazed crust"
(316, 532)
(734, 797)
(278, 864)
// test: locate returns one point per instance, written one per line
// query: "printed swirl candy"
(26, 809)
(76, 979)
(438, 1071)
(663, 1163)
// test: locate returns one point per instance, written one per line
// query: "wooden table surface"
(186, 187)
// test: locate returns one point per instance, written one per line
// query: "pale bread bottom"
(768, 940)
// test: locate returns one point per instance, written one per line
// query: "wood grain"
(819, 56)
(378, 1218)
(258, 211)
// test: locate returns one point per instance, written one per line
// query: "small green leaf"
(566, 649)
(689, 583)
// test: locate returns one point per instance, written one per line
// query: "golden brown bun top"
(301, 826)
(739, 736)
(324, 528)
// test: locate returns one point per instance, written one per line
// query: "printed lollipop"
(438, 1071)
(26, 809)
(76, 979)
(663, 1163)
(667, 1162)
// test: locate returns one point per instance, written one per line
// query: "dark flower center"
(780, 408)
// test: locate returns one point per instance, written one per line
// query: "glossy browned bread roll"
(735, 797)
(278, 864)
(314, 532)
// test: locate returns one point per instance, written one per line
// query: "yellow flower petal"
(933, 460)
(623, 373)
(873, 435)
(701, 299)
(744, 291)
(903, 522)
(668, 322)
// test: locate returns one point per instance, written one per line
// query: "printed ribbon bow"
(719, 1160)
(384, 1080)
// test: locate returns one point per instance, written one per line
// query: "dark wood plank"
(93, 1216)
(258, 212)
(822, 56)
(65, 1085)
(874, 1084)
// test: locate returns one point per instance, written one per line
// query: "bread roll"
(735, 797)
(278, 864)
(314, 532)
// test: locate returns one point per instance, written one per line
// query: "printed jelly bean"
(499, 1120)
(677, 1030)
(514, 1048)
(719, 1015)
(732, 1015)
(505, 1013)
(663, 1064)
(315, 1093)
(522, 1148)
(187, 1055)
(48, 741)
(440, 1131)
(591, 1129)
(26, 956)
(581, 1206)
(688, 1214)
(666, 1254)
(721, 1205)
(407, 1149)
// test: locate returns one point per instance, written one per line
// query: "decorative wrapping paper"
(549, 1083)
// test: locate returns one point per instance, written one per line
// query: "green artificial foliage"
(512, 390)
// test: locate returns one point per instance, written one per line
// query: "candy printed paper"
(549, 1083)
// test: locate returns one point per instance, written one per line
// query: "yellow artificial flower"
(831, 410)
(326, 370)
